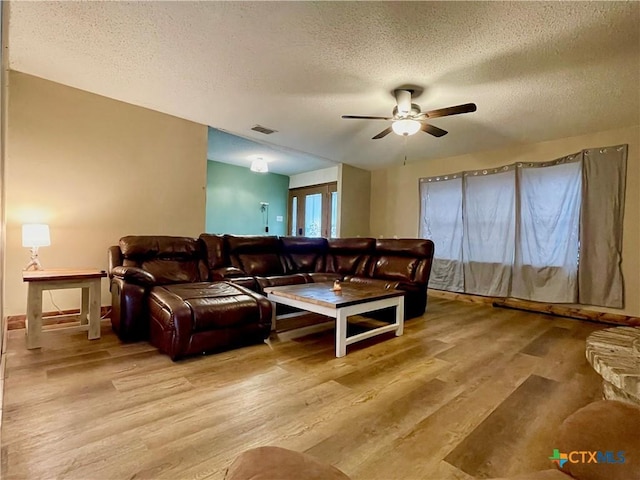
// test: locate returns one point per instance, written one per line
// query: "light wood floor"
(468, 391)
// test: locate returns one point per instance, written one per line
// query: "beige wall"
(94, 169)
(4, 82)
(395, 202)
(316, 177)
(354, 191)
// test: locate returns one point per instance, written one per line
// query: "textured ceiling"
(536, 70)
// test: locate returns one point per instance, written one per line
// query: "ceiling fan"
(408, 119)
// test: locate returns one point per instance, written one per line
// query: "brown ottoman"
(190, 318)
(275, 463)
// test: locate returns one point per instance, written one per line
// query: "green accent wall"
(233, 200)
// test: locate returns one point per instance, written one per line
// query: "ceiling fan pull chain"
(405, 151)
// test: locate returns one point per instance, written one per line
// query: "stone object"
(614, 354)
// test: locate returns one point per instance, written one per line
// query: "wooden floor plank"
(504, 426)
(364, 429)
(442, 430)
(541, 345)
(427, 404)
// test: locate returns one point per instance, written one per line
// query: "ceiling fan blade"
(458, 109)
(383, 133)
(366, 117)
(435, 131)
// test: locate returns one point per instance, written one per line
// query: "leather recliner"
(161, 291)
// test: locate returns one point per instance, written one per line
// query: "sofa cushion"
(172, 271)
(246, 282)
(168, 259)
(226, 273)
(144, 246)
(604, 426)
(407, 260)
(305, 254)
(394, 268)
(405, 247)
(280, 280)
(374, 282)
(349, 256)
(213, 305)
(256, 255)
(271, 463)
(323, 277)
(261, 264)
(214, 246)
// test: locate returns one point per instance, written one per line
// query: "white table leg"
(400, 316)
(34, 315)
(84, 306)
(94, 309)
(341, 334)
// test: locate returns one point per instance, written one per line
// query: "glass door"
(313, 211)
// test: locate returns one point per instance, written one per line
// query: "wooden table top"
(62, 274)
(321, 293)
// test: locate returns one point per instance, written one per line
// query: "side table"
(40, 280)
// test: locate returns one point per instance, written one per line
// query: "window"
(546, 263)
(313, 215)
(334, 215)
(489, 219)
(549, 232)
(294, 217)
(441, 221)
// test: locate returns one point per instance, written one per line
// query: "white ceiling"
(536, 70)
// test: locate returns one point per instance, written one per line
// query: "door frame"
(325, 189)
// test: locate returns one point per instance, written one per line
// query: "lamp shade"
(405, 127)
(259, 165)
(35, 235)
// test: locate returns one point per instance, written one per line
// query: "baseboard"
(557, 310)
(463, 297)
(15, 322)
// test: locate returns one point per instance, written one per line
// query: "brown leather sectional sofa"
(191, 295)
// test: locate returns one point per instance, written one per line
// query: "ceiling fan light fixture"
(405, 127)
(259, 165)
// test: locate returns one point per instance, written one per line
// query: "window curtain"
(548, 232)
(603, 190)
(546, 260)
(441, 221)
(489, 231)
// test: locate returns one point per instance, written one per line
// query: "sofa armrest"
(176, 317)
(129, 317)
(226, 272)
(114, 257)
(134, 275)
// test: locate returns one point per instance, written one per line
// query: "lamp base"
(34, 263)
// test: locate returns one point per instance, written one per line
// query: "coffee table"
(353, 299)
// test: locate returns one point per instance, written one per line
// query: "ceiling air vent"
(261, 129)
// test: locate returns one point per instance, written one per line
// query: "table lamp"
(35, 235)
